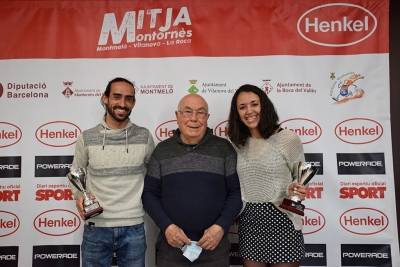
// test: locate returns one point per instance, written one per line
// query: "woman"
(268, 235)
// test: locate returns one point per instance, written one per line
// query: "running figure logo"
(345, 94)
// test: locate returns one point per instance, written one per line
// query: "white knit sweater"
(265, 168)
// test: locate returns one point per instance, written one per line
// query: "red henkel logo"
(1, 90)
(9, 223)
(57, 222)
(312, 221)
(363, 192)
(308, 130)
(221, 129)
(58, 133)
(358, 131)
(10, 134)
(364, 221)
(337, 24)
(164, 131)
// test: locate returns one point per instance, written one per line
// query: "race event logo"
(68, 92)
(345, 88)
(315, 255)
(364, 221)
(337, 24)
(56, 255)
(58, 133)
(358, 131)
(366, 255)
(360, 163)
(52, 166)
(308, 130)
(10, 167)
(10, 134)
(57, 222)
(9, 223)
(145, 29)
(9, 256)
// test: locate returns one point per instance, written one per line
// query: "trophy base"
(93, 210)
(293, 206)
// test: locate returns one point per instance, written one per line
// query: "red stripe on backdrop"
(175, 28)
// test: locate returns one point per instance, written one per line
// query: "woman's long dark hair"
(238, 131)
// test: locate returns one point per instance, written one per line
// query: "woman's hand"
(299, 190)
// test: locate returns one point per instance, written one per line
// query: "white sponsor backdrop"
(156, 112)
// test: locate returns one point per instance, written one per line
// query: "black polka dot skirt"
(266, 234)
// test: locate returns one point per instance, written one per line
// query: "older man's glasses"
(188, 113)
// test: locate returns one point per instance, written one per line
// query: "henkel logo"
(221, 129)
(164, 131)
(10, 134)
(9, 223)
(363, 192)
(358, 131)
(58, 133)
(1, 90)
(337, 24)
(308, 130)
(312, 221)
(57, 222)
(364, 221)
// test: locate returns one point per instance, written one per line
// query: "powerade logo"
(52, 166)
(9, 256)
(234, 258)
(366, 255)
(315, 255)
(360, 163)
(10, 167)
(317, 160)
(49, 256)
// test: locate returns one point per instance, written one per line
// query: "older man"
(192, 191)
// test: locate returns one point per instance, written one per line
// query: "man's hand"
(79, 206)
(211, 237)
(176, 237)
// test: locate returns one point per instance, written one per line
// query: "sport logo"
(58, 133)
(358, 131)
(57, 222)
(9, 223)
(10, 134)
(308, 130)
(364, 221)
(337, 24)
(164, 130)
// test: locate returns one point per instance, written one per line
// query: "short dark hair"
(108, 88)
(268, 123)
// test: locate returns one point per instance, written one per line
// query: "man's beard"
(110, 110)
